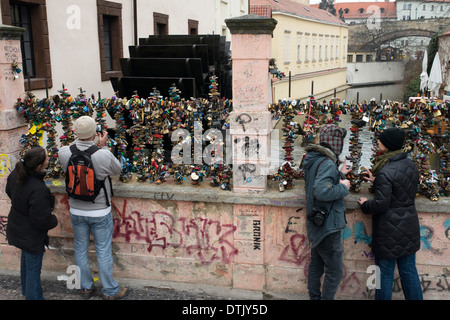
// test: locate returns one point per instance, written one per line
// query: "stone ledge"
(10, 32)
(251, 24)
(10, 119)
(294, 198)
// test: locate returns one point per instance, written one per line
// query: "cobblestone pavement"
(10, 289)
(138, 289)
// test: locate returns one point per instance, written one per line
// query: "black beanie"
(392, 138)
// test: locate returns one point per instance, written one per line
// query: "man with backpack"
(88, 168)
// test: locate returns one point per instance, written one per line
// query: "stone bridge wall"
(370, 36)
(204, 235)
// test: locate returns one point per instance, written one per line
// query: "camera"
(318, 217)
(99, 128)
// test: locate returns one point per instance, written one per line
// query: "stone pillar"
(250, 121)
(12, 126)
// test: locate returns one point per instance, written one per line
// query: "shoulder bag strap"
(317, 169)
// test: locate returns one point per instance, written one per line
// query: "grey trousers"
(326, 257)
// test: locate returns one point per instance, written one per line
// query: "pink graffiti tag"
(298, 252)
(294, 252)
(208, 239)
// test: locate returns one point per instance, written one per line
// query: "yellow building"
(310, 44)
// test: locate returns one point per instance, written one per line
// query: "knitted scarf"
(382, 160)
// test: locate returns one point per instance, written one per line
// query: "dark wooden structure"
(184, 60)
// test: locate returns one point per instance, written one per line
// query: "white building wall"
(178, 11)
(444, 56)
(412, 10)
(74, 44)
(74, 49)
(364, 73)
(225, 9)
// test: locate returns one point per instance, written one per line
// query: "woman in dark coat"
(30, 217)
(395, 226)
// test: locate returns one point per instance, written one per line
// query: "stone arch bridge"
(371, 35)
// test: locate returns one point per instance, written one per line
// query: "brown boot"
(122, 293)
(86, 294)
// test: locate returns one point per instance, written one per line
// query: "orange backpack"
(81, 181)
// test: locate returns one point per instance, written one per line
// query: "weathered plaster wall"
(370, 73)
(256, 242)
(444, 56)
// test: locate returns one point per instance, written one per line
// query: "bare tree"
(328, 5)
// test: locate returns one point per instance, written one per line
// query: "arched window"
(361, 10)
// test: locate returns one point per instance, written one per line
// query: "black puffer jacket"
(30, 216)
(396, 230)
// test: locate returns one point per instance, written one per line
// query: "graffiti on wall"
(447, 228)
(428, 283)
(206, 239)
(4, 164)
(3, 223)
(297, 252)
(256, 234)
(4, 169)
(427, 234)
(426, 237)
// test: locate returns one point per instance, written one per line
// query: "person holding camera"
(326, 187)
(395, 223)
(30, 217)
(94, 216)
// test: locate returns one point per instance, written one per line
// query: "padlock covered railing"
(157, 138)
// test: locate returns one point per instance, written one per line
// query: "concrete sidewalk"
(10, 289)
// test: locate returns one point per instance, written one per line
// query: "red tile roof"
(298, 9)
(388, 8)
(261, 10)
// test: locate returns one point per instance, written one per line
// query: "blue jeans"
(326, 257)
(409, 278)
(30, 275)
(102, 231)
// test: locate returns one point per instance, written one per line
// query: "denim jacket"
(323, 190)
